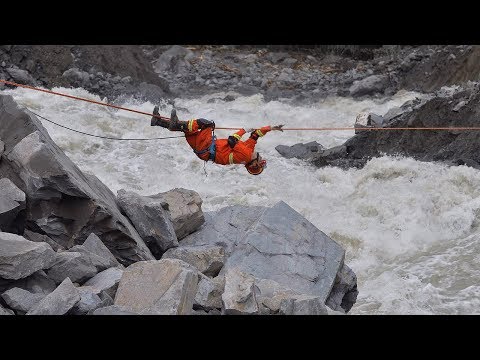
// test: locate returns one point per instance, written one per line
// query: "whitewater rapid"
(409, 228)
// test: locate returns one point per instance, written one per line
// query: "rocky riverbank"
(299, 74)
(451, 107)
(68, 245)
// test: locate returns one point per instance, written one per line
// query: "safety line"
(237, 128)
(105, 137)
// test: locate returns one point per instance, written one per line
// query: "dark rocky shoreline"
(151, 72)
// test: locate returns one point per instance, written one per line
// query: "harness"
(212, 149)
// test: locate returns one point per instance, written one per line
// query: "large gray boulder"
(21, 76)
(208, 259)
(20, 258)
(163, 287)
(279, 244)
(105, 282)
(12, 206)
(74, 265)
(283, 246)
(173, 59)
(150, 219)
(370, 85)
(59, 302)
(225, 227)
(300, 151)
(63, 203)
(21, 300)
(185, 209)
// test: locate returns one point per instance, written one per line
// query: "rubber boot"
(158, 121)
(175, 124)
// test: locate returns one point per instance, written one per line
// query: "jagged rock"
(105, 282)
(38, 282)
(185, 208)
(21, 300)
(344, 292)
(150, 219)
(239, 295)
(20, 258)
(452, 147)
(20, 76)
(300, 151)
(209, 293)
(172, 59)
(283, 246)
(113, 310)
(4, 311)
(225, 227)
(63, 203)
(12, 206)
(94, 245)
(163, 287)
(2, 149)
(369, 85)
(59, 302)
(35, 237)
(89, 302)
(207, 259)
(74, 265)
(303, 305)
(276, 244)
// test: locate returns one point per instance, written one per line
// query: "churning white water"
(409, 228)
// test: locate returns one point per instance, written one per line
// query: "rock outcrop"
(63, 203)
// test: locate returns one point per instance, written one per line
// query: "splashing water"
(409, 228)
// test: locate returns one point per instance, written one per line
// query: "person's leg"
(175, 124)
(156, 121)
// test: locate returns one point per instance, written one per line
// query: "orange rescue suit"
(201, 139)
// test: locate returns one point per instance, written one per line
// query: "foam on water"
(408, 227)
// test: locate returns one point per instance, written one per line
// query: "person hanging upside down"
(199, 134)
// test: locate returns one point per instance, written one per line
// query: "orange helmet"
(255, 167)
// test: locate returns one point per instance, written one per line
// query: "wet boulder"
(150, 219)
(299, 151)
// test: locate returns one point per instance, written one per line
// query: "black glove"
(232, 141)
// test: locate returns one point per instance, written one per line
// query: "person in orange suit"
(200, 136)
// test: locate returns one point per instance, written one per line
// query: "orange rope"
(237, 128)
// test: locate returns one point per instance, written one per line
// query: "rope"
(234, 128)
(103, 137)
